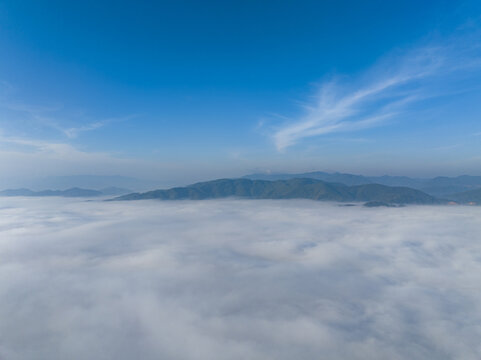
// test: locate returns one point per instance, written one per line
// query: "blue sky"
(189, 90)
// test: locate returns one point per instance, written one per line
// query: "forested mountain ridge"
(288, 189)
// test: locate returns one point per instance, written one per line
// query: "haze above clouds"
(237, 279)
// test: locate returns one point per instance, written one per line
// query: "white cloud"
(24, 158)
(237, 280)
(30, 157)
(56, 117)
(75, 131)
(383, 92)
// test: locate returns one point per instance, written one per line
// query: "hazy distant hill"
(438, 186)
(471, 196)
(95, 182)
(288, 189)
(17, 192)
(112, 190)
(72, 192)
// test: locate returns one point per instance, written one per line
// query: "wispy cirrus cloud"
(384, 92)
(55, 117)
(75, 131)
(26, 157)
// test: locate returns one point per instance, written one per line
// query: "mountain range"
(376, 191)
(290, 189)
(472, 197)
(95, 182)
(440, 186)
(72, 192)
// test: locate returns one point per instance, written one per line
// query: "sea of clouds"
(237, 279)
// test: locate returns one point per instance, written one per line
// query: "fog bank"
(237, 279)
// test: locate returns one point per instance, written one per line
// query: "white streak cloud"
(75, 131)
(385, 91)
(237, 280)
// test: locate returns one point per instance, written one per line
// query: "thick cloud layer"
(238, 279)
